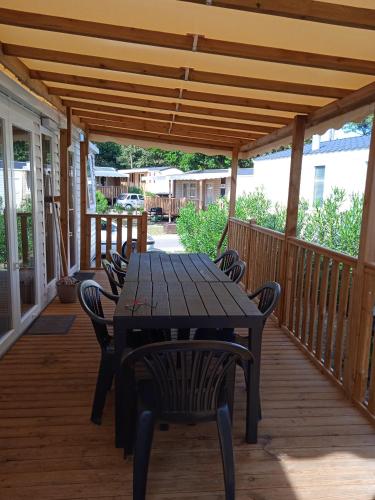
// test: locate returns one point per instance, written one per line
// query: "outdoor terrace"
(313, 443)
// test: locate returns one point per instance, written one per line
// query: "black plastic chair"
(116, 278)
(236, 271)
(118, 261)
(190, 382)
(89, 294)
(227, 259)
(125, 245)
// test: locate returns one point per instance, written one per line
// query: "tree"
(108, 154)
(363, 128)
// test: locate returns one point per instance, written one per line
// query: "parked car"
(131, 201)
(103, 238)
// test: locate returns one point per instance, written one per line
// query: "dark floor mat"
(51, 325)
(82, 275)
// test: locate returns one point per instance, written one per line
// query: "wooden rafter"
(149, 103)
(163, 127)
(168, 139)
(228, 114)
(320, 12)
(174, 73)
(183, 42)
(100, 83)
(226, 127)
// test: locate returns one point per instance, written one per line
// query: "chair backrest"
(189, 377)
(112, 275)
(125, 246)
(227, 259)
(89, 294)
(118, 261)
(236, 271)
(268, 296)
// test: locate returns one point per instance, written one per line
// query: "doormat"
(51, 325)
(82, 275)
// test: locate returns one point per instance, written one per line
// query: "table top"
(181, 291)
(172, 268)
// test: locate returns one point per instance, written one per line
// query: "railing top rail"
(114, 216)
(260, 229)
(345, 259)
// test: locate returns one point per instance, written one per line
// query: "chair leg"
(143, 444)
(103, 384)
(224, 427)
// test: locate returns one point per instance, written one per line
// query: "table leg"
(124, 396)
(253, 376)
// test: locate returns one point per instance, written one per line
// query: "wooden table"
(181, 291)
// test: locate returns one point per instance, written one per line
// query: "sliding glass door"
(5, 283)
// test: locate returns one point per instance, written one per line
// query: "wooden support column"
(299, 125)
(64, 200)
(233, 182)
(361, 313)
(85, 264)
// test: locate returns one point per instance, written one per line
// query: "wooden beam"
(79, 105)
(165, 92)
(233, 182)
(362, 97)
(164, 127)
(320, 12)
(183, 42)
(361, 314)
(286, 268)
(174, 73)
(167, 117)
(168, 139)
(148, 103)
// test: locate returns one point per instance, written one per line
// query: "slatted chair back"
(125, 246)
(113, 276)
(89, 294)
(268, 296)
(118, 261)
(227, 259)
(188, 377)
(236, 271)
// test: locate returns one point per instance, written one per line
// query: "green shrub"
(101, 203)
(135, 190)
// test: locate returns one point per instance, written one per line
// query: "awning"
(106, 172)
(187, 75)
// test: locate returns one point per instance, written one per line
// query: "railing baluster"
(322, 307)
(314, 300)
(341, 320)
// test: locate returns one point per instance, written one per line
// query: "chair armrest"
(110, 295)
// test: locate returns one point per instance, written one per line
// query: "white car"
(131, 201)
(150, 239)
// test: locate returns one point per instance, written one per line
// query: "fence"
(170, 206)
(318, 299)
(111, 232)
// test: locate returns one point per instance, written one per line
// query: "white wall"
(344, 169)
(158, 181)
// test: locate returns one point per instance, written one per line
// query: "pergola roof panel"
(187, 59)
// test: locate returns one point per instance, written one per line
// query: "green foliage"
(328, 223)
(118, 208)
(135, 190)
(21, 150)
(101, 203)
(364, 127)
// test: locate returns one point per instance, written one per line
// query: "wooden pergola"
(232, 77)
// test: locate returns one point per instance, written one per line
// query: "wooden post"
(233, 182)
(68, 127)
(64, 200)
(299, 125)
(85, 264)
(360, 320)
(170, 202)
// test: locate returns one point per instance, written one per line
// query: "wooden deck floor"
(313, 444)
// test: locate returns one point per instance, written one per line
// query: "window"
(189, 190)
(223, 183)
(319, 183)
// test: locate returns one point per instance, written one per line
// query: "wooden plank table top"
(157, 266)
(184, 291)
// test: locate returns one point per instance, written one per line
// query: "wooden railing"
(109, 232)
(317, 287)
(23, 221)
(111, 192)
(170, 206)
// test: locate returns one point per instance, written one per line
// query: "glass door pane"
(22, 175)
(48, 208)
(5, 289)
